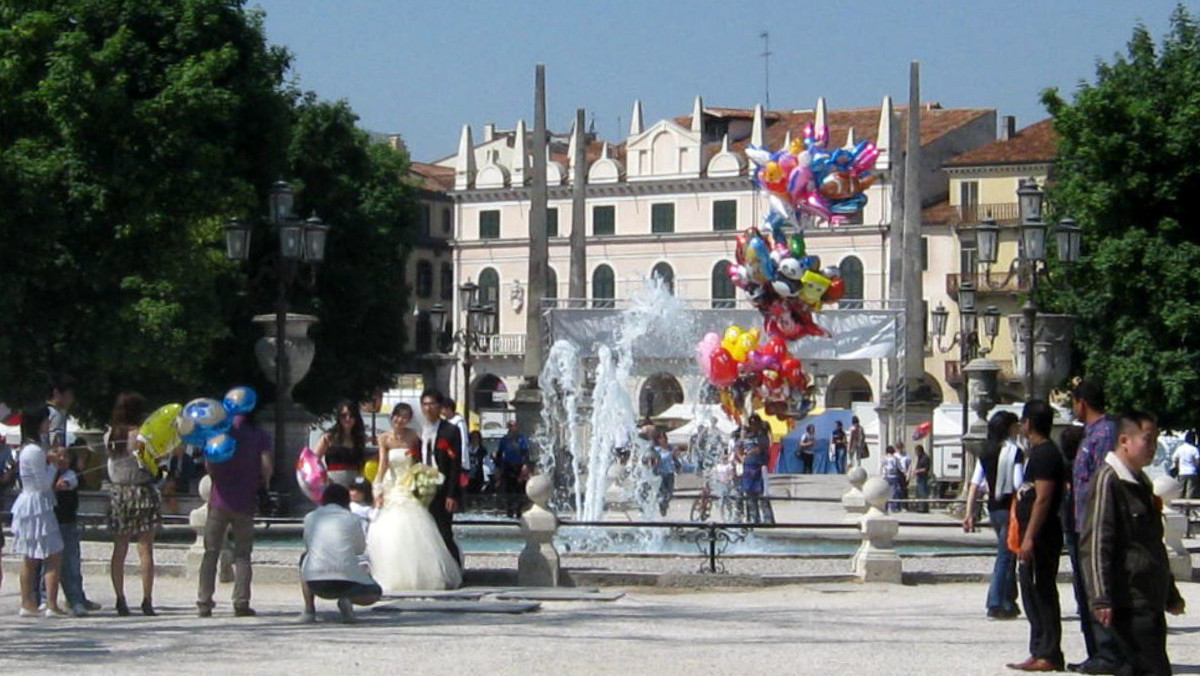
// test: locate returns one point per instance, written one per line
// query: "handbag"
(865, 453)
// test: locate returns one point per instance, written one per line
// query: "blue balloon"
(190, 433)
(220, 449)
(240, 400)
(208, 416)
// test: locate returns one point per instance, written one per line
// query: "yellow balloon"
(729, 342)
(755, 335)
(370, 469)
(742, 348)
(812, 287)
(159, 430)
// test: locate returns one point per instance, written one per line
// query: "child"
(362, 502)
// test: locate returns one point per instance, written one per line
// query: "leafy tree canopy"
(1128, 169)
(132, 131)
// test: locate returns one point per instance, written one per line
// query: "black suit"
(445, 456)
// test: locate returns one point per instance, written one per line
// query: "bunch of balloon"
(741, 364)
(780, 278)
(205, 422)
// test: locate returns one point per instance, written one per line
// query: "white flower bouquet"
(422, 481)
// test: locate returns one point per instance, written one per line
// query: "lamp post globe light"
(300, 242)
(473, 335)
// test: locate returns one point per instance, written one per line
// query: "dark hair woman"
(344, 445)
(1000, 473)
(36, 536)
(136, 506)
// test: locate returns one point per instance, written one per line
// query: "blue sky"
(423, 69)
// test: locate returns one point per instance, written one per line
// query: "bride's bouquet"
(422, 481)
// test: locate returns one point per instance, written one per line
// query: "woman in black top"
(344, 445)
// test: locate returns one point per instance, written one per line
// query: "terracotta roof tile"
(432, 177)
(940, 214)
(1033, 144)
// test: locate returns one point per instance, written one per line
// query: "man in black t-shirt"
(1042, 541)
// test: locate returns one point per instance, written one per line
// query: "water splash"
(608, 461)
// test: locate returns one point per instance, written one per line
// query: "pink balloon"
(311, 475)
(866, 161)
(816, 205)
(704, 350)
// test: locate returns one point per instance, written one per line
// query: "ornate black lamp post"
(474, 334)
(300, 242)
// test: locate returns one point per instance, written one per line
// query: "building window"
(664, 272)
(852, 276)
(447, 281)
(660, 392)
(924, 254)
(424, 279)
(489, 287)
(552, 222)
(424, 220)
(604, 220)
(724, 215)
(489, 224)
(447, 221)
(603, 287)
(724, 295)
(551, 293)
(968, 200)
(424, 332)
(662, 218)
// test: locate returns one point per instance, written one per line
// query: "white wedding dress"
(403, 543)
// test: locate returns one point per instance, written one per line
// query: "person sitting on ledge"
(329, 568)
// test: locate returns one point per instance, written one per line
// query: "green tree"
(132, 130)
(1128, 170)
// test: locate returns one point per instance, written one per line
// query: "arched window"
(424, 279)
(551, 294)
(489, 287)
(424, 332)
(664, 272)
(724, 294)
(852, 275)
(603, 287)
(484, 396)
(660, 392)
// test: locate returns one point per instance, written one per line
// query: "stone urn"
(300, 348)
(1052, 339)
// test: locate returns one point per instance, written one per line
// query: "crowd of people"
(1091, 495)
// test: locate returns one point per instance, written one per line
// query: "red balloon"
(776, 347)
(793, 371)
(739, 252)
(722, 367)
(837, 289)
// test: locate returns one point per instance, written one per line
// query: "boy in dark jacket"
(1125, 566)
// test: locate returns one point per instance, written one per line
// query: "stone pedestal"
(197, 519)
(853, 501)
(296, 425)
(1174, 528)
(538, 564)
(876, 559)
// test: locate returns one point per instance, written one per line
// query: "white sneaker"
(56, 612)
(25, 612)
(307, 617)
(42, 607)
(347, 610)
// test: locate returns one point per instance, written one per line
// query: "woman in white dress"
(35, 529)
(404, 545)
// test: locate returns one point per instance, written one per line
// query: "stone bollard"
(1174, 528)
(853, 501)
(197, 519)
(538, 564)
(876, 559)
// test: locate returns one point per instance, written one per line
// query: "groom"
(440, 444)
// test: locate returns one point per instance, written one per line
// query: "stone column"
(877, 560)
(538, 564)
(1174, 528)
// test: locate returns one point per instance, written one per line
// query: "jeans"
(839, 460)
(808, 460)
(219, 522)
(897, 493)
(70, 569)
(1002, 591)
(666, 490)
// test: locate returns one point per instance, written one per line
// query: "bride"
(403, 544)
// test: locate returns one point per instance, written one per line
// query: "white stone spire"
(520, 156)
(576, 139)
(758, 129)
(464, 162)
(698, 115)
(883, 140)
(635, 119)
(822, 118)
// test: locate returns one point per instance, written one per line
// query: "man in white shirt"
(452, 416)
(1186, 460)
(333, 541)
